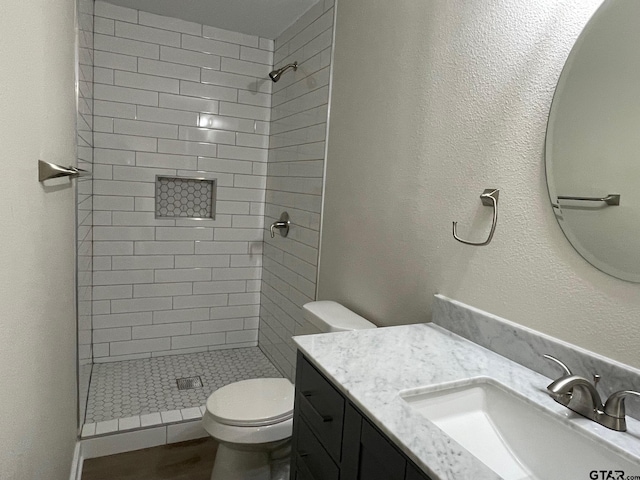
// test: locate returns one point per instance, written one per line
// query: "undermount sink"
(513, 437)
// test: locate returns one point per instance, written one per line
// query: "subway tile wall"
(183, 99)
(294, 182)
(84, 197)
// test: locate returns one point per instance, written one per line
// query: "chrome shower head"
(276, 74)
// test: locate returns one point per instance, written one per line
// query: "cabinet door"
(379, 459)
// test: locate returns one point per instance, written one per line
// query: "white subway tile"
(122, 320)
(183, 275)
(230, 36)
(190, 104)
(188, 57)
(159, 160)
(236, 273)
(253, 285)
(119, 188)
(145, 129)
(139, 219)
(251, 140)
(224, 166)
(112, 292)
(102, 172)
(241, 194)
(267, 44)
(226, 79)
(244, 299)
(103, 75)
(162, 290)
(126, 47)
(212, 326)
(234, 312)
(239, 208)
(207, 45)
(195, 134)
(105, 26)
(187, 148)
(123, 233)
(111, 334)
(221, 248)
(242, 67)
(209, 288)
(202, 261)
(101, 307)
(140, 305)
(112, 248)
(125, 95)
(184, 233)
(147, 82)
(169, 23)
(227, 123)
(242, 336)
(256, 56)
(166, 69)
(147, 34)
(188, 341)
(122, 277)
(101, 263)
(113, 109)
(125, 142)
(163, 248)
(163, 115)
(191, 413)
(208, 91)
(251, 323)
(260, 169)
(195, 301)
(247, 260)
(241, 234)
(139, 346)
(254, 98)
(108, 10)
(144, 262)
(245, 111)
(158, 331)
(88, 430)
(145, 205)
(186, 315)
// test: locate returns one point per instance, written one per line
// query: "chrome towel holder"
(489, 198)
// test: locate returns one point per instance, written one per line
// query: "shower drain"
(189, 383)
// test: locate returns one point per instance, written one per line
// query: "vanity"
(365, 402)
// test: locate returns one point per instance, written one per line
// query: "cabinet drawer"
(312, 461)
(321, 405)
(379, 459)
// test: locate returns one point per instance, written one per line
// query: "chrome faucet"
(580, 395)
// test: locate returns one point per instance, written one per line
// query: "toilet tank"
(330, 316)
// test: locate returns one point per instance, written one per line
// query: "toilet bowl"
(252, 420)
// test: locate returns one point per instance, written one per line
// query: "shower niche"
(184, 197)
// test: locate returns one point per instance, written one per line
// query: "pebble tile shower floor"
(139, 387)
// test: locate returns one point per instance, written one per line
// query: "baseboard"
(76, 463)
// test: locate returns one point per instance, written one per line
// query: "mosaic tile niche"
(185, 197)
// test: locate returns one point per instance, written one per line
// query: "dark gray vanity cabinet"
(332, 440)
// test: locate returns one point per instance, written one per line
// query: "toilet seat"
(252, 403)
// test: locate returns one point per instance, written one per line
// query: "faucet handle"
(559, 362)
(614, 406)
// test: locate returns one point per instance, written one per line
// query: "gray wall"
(294, 182)
(432, 103)
(37, 258)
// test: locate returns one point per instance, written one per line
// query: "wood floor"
(191, 460)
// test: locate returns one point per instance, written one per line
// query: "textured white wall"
(434, 101)
(37, 321)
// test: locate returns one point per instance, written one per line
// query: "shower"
(276, 74)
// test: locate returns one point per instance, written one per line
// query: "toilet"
(252, 420)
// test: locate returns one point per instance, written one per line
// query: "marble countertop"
(371, 367)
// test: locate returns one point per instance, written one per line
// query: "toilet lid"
(255, 402)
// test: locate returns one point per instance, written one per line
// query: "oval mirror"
(593, 142)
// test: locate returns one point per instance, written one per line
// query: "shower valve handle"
(283, 225)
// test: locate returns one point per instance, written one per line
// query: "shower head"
(276, 74)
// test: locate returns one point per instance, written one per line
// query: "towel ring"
(489, 198)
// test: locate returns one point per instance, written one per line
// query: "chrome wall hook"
(489, 198)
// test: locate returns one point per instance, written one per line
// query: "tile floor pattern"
(138, 387)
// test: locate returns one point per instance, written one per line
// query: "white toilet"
(253, 419)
